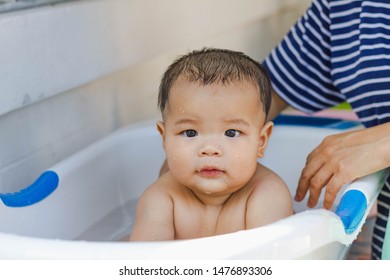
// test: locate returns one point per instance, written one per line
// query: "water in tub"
(121, 219)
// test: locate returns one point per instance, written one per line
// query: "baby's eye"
(232, 133)
(190, 133)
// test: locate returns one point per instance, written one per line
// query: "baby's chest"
(195, 223)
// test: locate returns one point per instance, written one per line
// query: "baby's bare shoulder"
(166, 186)
(270, 199)
(267, 180)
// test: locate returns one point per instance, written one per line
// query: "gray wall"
(74, 72)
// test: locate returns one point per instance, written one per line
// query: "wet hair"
(215, 66)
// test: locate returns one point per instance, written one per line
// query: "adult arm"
(277, 105)
(340, 159)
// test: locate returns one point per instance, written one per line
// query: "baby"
(214, 105)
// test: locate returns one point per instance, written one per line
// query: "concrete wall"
(74, 72)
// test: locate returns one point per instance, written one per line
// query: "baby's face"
(213, 135)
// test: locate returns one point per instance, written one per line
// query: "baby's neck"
(211, 200)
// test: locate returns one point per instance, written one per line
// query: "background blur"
(74, 71)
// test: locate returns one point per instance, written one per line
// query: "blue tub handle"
(358, 196)
(351, 209)
(40, 189)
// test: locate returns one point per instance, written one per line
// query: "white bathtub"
(94, 203)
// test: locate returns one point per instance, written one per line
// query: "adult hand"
(340, 159)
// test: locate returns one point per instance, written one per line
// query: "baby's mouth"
(211, 172)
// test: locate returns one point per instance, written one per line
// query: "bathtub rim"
(201, 248)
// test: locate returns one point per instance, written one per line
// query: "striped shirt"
(339, 50)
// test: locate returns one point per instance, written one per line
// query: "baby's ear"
(161, 129)
(265, 134)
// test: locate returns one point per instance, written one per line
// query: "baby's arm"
(269, 201)
(154, 217)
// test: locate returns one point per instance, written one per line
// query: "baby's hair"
(211, 66)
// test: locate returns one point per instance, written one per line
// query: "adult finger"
(318, 181)
(333, 187)
(307, 173)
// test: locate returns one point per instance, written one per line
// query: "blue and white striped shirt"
(339, 50)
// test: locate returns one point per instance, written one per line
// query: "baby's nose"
(210, 150)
